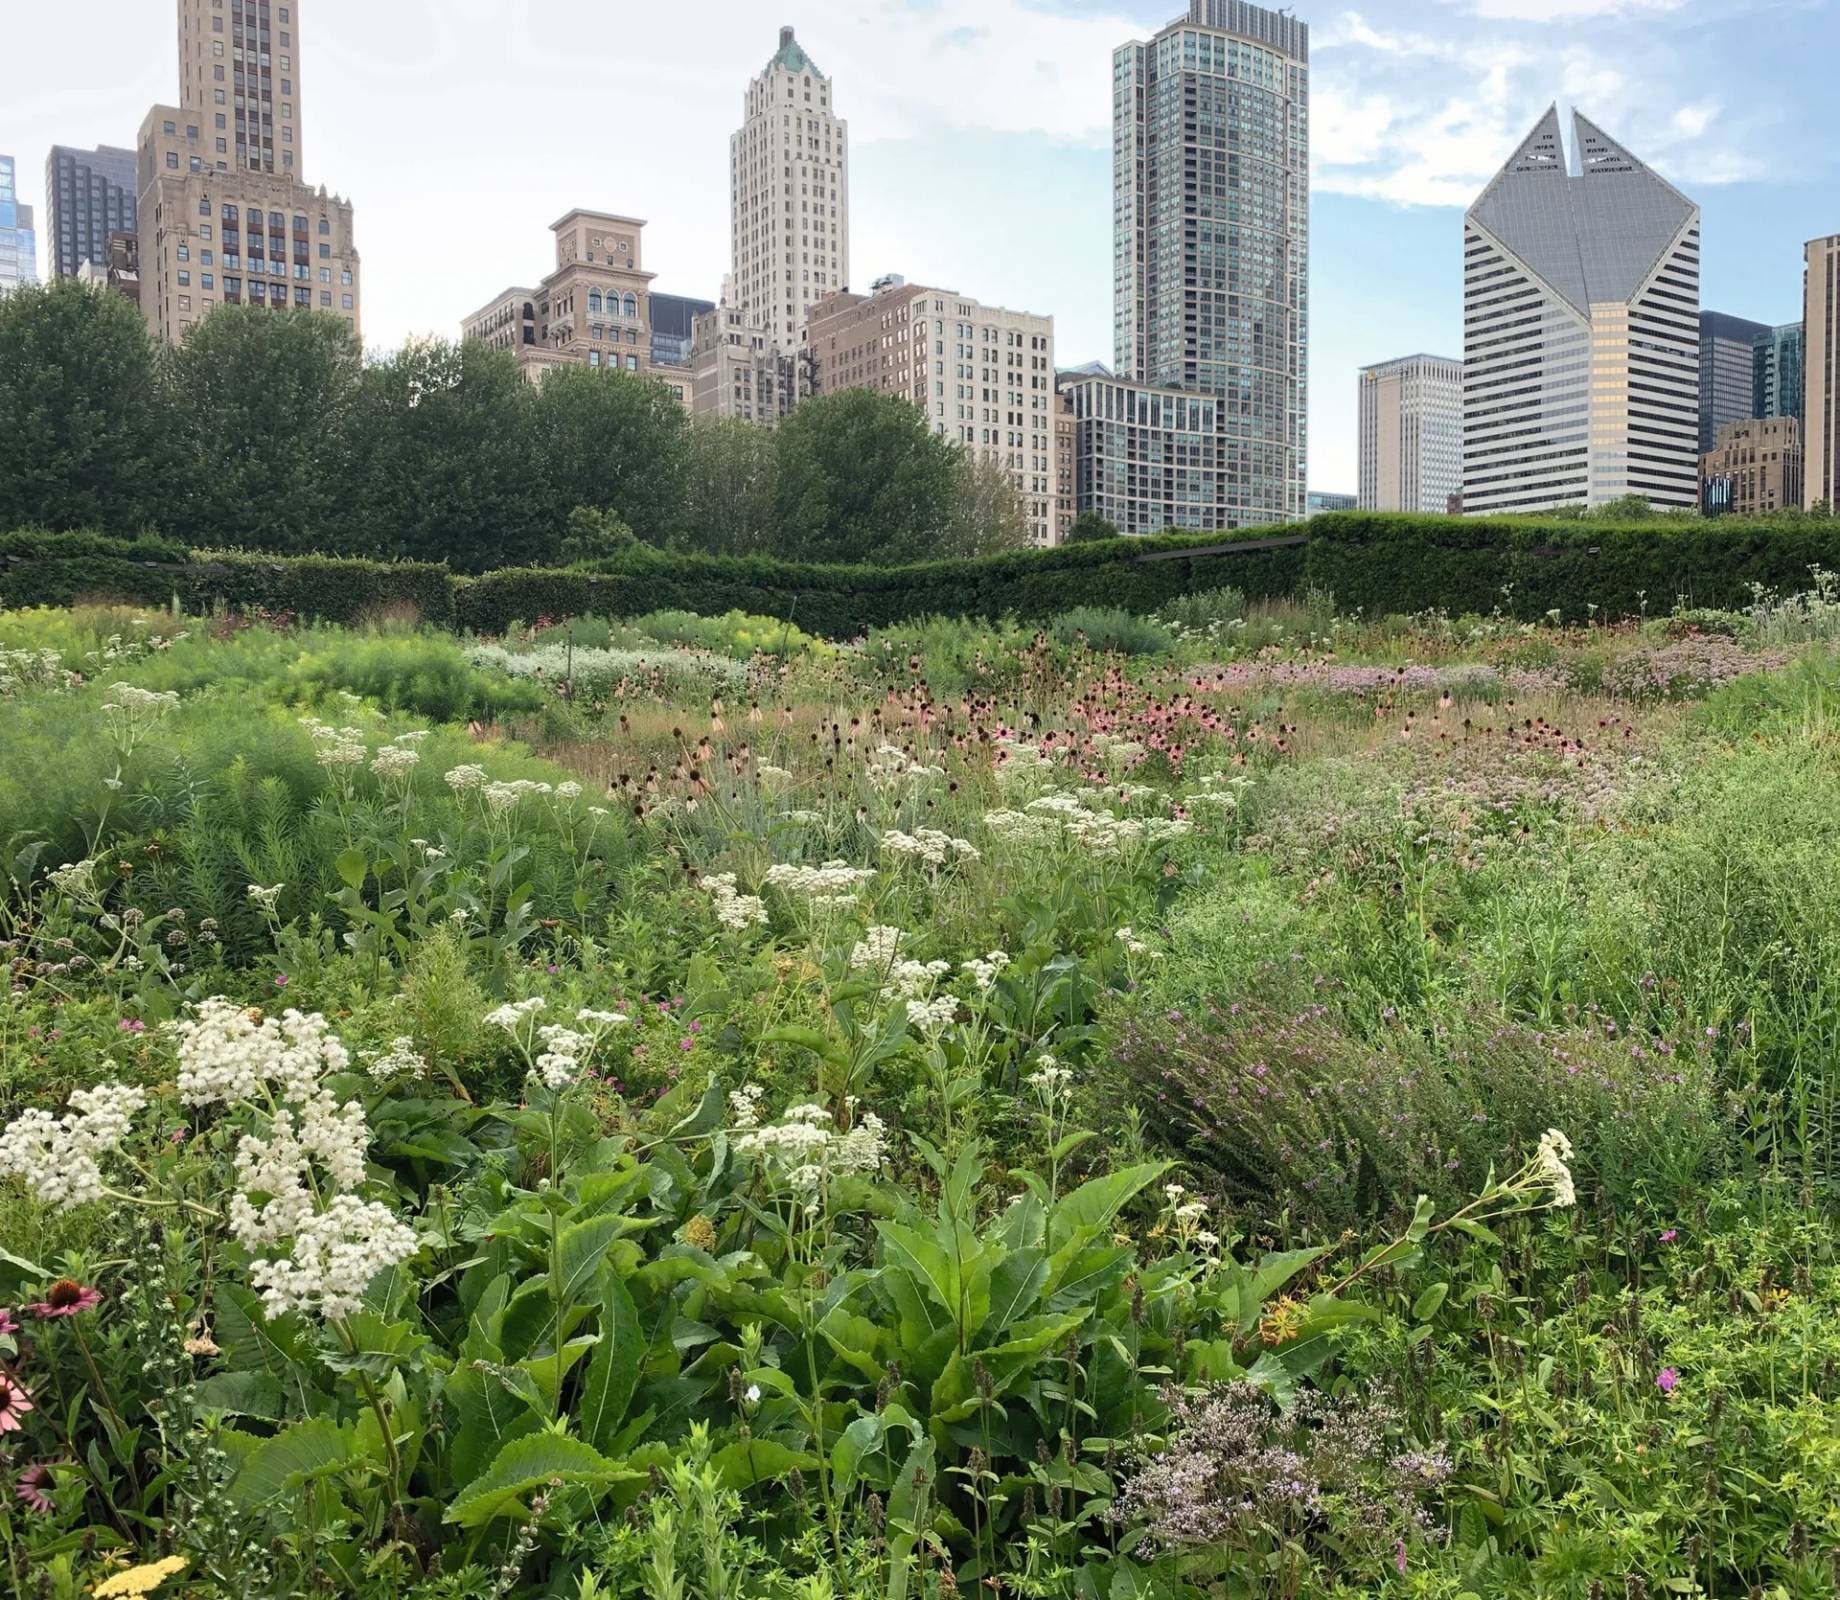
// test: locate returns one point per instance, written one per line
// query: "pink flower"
(280, 980)
(34, 1485)
(1399, 1554)
(1667, 1380)
(65, 1298)
(1669, 1235)
(15, 1402)
(7, 1324)
(131, 1025)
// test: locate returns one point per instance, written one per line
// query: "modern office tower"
(224, 214)
(595, 309)
(789, 196)
(1755, 468)
(1317, 501)
(739, 371)
(18, 238)
(1821, 371)
(1581, 330)
(1147, 459)
(673, 319)
(1411, 434)
(1727, 372)
(982, 376)
(89, 194)
(1210, 160)
(1776, 373)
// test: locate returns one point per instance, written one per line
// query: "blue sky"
(980, 133)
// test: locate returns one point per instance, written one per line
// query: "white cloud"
(1559, 10)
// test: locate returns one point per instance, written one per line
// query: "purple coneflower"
(65, 1298)
(15, 1402)
(34, 1486)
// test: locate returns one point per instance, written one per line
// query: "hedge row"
(1526, 567)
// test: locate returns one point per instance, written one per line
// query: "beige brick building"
(789, 197)
(224, 214)
(1066, 479)
(1762, 460)
(738, 371)
(592, 310)
(983, 376)
(1821, 371)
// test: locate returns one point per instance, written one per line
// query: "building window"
(594, 305)
(345, 276)
(172, 160)
(325, 274)
(325, 297)
(205, 281)
(345, 301)
(324, 225)
(632, 306)
(325, 252)
(632, 363)
(169, 127)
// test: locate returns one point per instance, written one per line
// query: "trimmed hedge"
(1529, 566)
(1525, 567)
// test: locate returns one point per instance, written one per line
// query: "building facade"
(738, 371)
(1776, 373)
(595, 309)
(18, 237)
(1821, 371)
(1320, 500)
(673, 318)
(789, 197)
(1411, 434)
(1147, 459)
(1066, 466)
(982, 376)
(1754, 469)
(89, 194)
(223, 212)
(1727, 372)
(1210, 161)
(1581, 331)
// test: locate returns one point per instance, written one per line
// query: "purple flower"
(1667, 1380)
(1669, 1235)
(281, 980)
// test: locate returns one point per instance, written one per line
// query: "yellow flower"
(143, 1579)
(700, 1232)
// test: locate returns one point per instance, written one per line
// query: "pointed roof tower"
(1593, 235)
(791, 55)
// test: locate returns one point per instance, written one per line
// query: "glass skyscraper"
(18, 239)
(1211, 203)
(89, 194)
(1727, 372)
(1776, 372)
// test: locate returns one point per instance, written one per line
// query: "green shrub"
(1111, 628)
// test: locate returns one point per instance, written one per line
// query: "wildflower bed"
(1252, 1102)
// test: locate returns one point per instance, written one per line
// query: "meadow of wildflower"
(1256, 1103)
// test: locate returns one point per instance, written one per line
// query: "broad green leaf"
(614, 1371)
(924, 1262)
(377, 1347)
(241, 1394)
(747, 1462)
(315, 1448)
(1425, 1307)
(1095, 1203)
(906, 1505)
(352, 868)
(860, 1439)
(491, 1413)
(580, 1250)
(528, 1464)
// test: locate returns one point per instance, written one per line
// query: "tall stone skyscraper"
(1821, 371)
(789, 196)
(1211, 207)
(1581, 319)
(1411, 434)
(224, 213)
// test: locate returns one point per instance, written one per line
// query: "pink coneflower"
(15, 1402)
(7, 1324)
(65, 1298)
(1667, 1380)
(34, 1486)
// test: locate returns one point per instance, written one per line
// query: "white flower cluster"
(264, 899)
(401, 1060)
(772, 774)
(876, 949)
(76, 879)
(395, 761)
(503, 797)
(830, 884)
(139, 702)
(931, 1016)
(889, 768)
(929, 845)
(744, 1105)
(461, 779)
(1127, 936)
(1023, 766)
(295, 1185)
(336, 1254)
(37, 669)
(336, 747)
(1050, 1080)
(1550, 1167)
(733, 909)
(1069, 816)
(1188, 1216)
(59, 1157)
(804, 1149)
(914, 980)
(984, 970)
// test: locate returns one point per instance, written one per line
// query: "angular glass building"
(1581, 366)
(18, 238)
(1776, 372)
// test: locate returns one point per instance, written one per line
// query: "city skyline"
(980, 144)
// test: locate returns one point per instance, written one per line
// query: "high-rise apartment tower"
(1211, 203)
(789, 196)
(1776, 373)
(1821, 371)
(18, 239)
(1411, 434)
(1581, 330)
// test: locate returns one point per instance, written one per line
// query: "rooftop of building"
(582, 213)
(791, 55)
